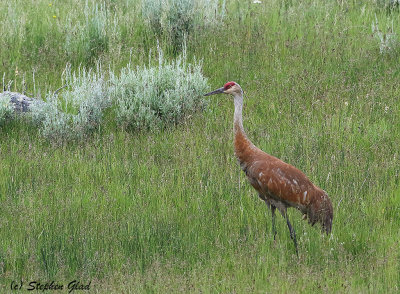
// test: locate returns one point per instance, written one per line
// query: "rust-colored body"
(279, 184)
(282, 185)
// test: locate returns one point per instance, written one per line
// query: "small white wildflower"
(256, 2)
(346, 103)
(386, 109)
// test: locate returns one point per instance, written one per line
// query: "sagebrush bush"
(153, 97)
(78, 111)
(388, 42)
(177, 18)
(6, 108)
(144, 98)
(88, 39)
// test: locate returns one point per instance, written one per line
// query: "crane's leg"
(272, 208)
(273, 221)
(292, 234)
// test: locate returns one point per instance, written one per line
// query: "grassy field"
(169, 210)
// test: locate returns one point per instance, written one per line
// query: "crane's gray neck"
(237, 118)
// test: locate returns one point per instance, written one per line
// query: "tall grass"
(169, 210)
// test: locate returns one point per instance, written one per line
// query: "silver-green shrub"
(389, 41)
(90, 38)
(6, 108)
(177, 18)
(153, 97)
(78, 111)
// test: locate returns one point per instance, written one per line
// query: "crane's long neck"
(243, 145)
(237, 118)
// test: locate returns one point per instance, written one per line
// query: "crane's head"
(229, 88)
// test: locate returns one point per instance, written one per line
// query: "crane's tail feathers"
(321, 211)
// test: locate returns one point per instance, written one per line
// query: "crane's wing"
(281, 181)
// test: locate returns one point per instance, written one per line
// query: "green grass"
(170, 211)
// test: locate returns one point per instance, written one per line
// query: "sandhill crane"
(279, 184)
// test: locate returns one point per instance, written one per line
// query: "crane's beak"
(218, 91)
